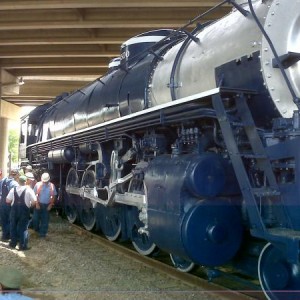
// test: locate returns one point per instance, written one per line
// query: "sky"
(26, 109)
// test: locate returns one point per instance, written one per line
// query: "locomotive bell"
(114, 64)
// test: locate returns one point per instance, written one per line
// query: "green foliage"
(13, 144)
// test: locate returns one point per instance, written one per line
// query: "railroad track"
(196, 279)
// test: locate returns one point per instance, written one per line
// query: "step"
(252, 155)
(265, 191)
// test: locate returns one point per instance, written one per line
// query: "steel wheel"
(111, 226)
(71, 201)
(142, 243)
(87, 214)
(72, 178)
(71, 212)
(279, 279)
(182, 264)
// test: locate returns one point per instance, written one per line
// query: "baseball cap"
(23, 178)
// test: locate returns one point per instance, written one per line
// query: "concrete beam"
(9, 111)
(9, 84)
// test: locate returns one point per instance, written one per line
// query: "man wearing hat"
(28, 168)
(31, 182)
(30, 179)
(21, 198)
(6, 184)
(45, 192)
(10, 284)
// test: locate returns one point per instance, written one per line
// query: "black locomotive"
(190, 143)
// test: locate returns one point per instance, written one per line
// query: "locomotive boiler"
(190, 144)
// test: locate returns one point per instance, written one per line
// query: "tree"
(13, 144)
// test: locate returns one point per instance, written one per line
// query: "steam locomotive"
(190, 144)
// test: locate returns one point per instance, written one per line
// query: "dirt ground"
(71, 266)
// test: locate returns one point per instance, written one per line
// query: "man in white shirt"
(6, 184)
(21, 198)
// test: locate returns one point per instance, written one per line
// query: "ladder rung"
(265, 192)
(239, 124)
(295, 234)
(251, 155)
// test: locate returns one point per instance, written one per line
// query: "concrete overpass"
(48, 47)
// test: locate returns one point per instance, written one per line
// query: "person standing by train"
(28, 168)
(45, 192)
(31, 182)
(21, 198)
(6, 184)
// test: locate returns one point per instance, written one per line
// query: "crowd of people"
(24, 200)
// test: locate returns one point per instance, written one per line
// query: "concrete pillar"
(9, 85)
(4, 145)
(8, 112)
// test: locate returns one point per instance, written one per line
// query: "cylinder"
(206, 176)
(65, 155)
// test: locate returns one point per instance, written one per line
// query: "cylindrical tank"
(184, 217)
(120, 92)
(228, 40)
(181, 203)
(61, 155)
